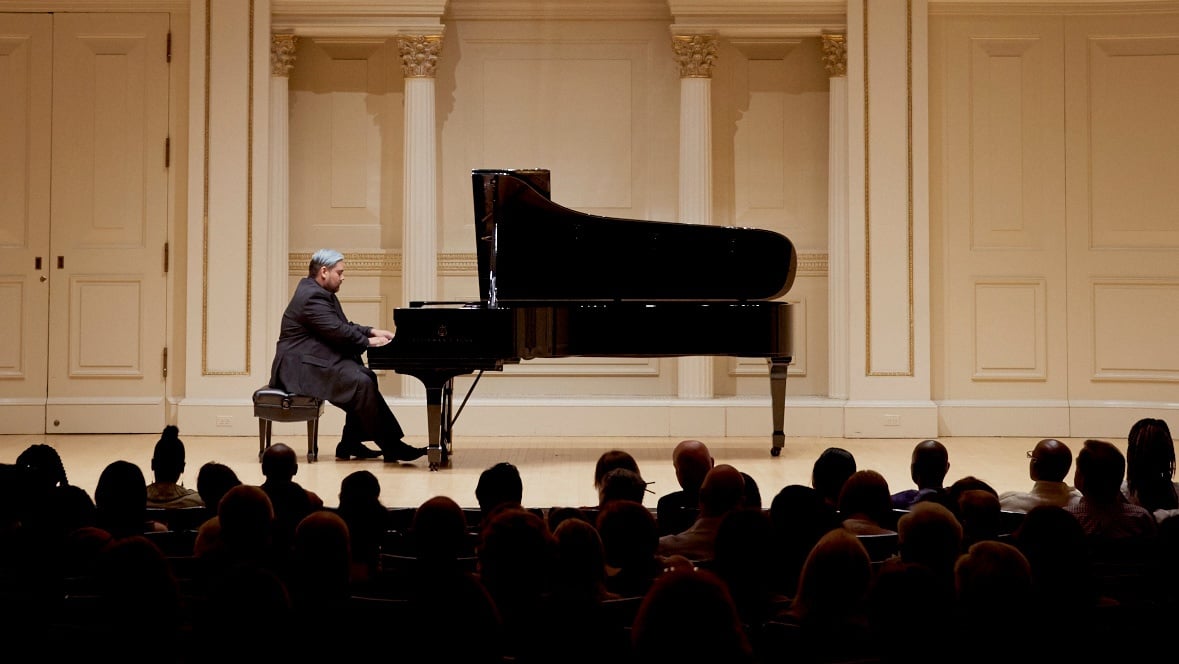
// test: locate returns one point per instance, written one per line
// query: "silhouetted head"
(930, 535)
(120, 499)
(830, 471)
(360, 486)
(279, 462)
(167, 460)
(692, 461)
(723, 490)
(609, 461)
(1100, 469)
(834, 579)
(621, 484)
(43, 465)
(1150, 464)
(246, 516)
(213, 480)
(499, 485)
(439, 529)
(629, 533)
(689, 616)
(866, 494)
(929, 464)
(1050, 461)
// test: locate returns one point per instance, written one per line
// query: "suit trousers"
(368, 417)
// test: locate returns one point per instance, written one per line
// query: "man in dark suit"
(318, 354)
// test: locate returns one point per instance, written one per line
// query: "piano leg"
(438, 420)
(778, 367)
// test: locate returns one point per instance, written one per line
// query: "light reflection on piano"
(554, 282)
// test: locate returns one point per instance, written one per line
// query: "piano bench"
(274, 405)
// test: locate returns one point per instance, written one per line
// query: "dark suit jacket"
(318, 351)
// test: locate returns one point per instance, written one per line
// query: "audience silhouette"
(291, 502)
(831, 469)
(367, 520)
(741, 583)
(927, 467)
(722, 492)
(689, 616)
(120, 501)
(799, 516)
(1150, 468)
(1048, 466)
(676, 510)
(499, 486)
(167, 464)
(865, 504)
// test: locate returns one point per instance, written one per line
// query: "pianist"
(318, 354)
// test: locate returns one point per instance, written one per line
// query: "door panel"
(26, 53)
(107, 323)
(1123, 207)
(1000, 184)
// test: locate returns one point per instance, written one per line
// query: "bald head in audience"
(722, 491)
(692, 461)
(1051, 461)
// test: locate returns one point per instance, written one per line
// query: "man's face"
(331, 277)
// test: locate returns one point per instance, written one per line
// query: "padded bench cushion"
(282, 406)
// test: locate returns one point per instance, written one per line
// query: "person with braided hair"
(167, 463)
(51, 505)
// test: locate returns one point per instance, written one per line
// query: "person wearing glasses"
(1048, 466)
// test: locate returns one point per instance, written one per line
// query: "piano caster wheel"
(775, 451)
(433, 466)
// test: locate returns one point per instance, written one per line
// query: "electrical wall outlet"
(892, 420)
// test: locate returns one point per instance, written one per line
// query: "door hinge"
(166, 258)
(167, 152)
(168, 57)
(165, 365)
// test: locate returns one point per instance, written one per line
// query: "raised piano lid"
(531, 249)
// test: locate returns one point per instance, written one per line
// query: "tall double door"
(83, 222)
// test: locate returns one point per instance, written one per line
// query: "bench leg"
(263, 436)
(313, 440)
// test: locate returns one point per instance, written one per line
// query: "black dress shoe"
(404, 452)
(357, 450)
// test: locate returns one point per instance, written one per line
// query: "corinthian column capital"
(835, 55)
(695, 54)
(419, 55)
(282, 55)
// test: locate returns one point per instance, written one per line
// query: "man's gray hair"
(323, 258)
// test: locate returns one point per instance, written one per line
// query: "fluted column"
(835, 60)
(419, 251)
(282, 60)
(695, 55)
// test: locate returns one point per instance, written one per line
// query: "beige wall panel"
(770, 137)
(1004, 199)
(566, 127)
(230, 187)
(1123, 207)
(1010, 327)
(12, 351)
(345, 145)
(889, 211)
(1134, 139)
(596, 103)
(997, 210)
(25, 140)
(101, 304)
(1133, 336)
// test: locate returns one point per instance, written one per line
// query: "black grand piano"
(554, 282)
